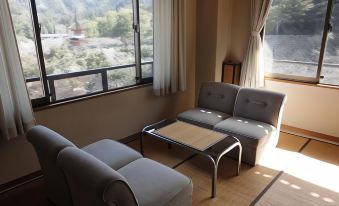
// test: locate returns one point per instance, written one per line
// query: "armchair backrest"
(92, 182)
(47, 145)
(218, 96)
(260, 105)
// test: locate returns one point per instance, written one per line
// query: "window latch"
(136, 28)
(322, 77)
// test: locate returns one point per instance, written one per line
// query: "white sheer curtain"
(253, 74)
(169, 73)
(15, 108)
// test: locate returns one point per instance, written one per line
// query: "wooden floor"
(298, 172)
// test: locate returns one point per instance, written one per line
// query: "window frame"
(312, 80)
(48, 80)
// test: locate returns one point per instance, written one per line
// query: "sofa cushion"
(259, 105)
(155, 184)
(218, 96)
(112, 153)
(253, 136)
(202, 117)
(253, 130)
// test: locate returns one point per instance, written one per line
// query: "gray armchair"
(256, 122)
(142, 182)
(104, 173)
(47, 145)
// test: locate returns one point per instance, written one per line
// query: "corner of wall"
(224, 35)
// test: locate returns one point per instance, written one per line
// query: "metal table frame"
(213, 157)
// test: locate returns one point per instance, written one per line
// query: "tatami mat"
(291, 142)
(311, 178)
(231, 189)
(323, 151)
(289, 191)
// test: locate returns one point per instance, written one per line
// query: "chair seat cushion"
(112, 153)
(249, 131)
(253, 136)
(202, 117)
(155, 184)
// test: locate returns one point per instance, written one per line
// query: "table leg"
(239, 159)
(214, 179)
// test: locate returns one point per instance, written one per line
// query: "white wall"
(309, 107)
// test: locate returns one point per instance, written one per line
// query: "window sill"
(80, 99)
(302, 83)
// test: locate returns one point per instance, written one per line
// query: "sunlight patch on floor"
(314, 171)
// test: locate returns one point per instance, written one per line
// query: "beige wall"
(223, 28)
(240, 29)
(309, 107)
(206, 33)
(114, 116)
(224, 35)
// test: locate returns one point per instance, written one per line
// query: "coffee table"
(206, 142)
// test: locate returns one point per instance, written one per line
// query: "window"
(71, 48)
(299, 43)
(330, 69)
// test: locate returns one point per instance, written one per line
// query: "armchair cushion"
(254, 136)
(259, 105)
(155, 184)
(202, 117)
(245, 127)
(218, 96)
(112, 153)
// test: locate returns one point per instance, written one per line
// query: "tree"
(116, 24)
(296, 17)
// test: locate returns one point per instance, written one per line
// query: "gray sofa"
(251, 115)
(104, 173)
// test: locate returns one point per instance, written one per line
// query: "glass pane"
(330, 69)
(121, 77)
(77, 86)
(293, 36)
(20, 11)
(83, 35)
(146, 35)
(147, 70)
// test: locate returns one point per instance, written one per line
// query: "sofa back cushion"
(259, 105)
(218, 96)
(92, 182)
(47, 145)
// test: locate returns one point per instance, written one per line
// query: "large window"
(72, 48)
(299, 41)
